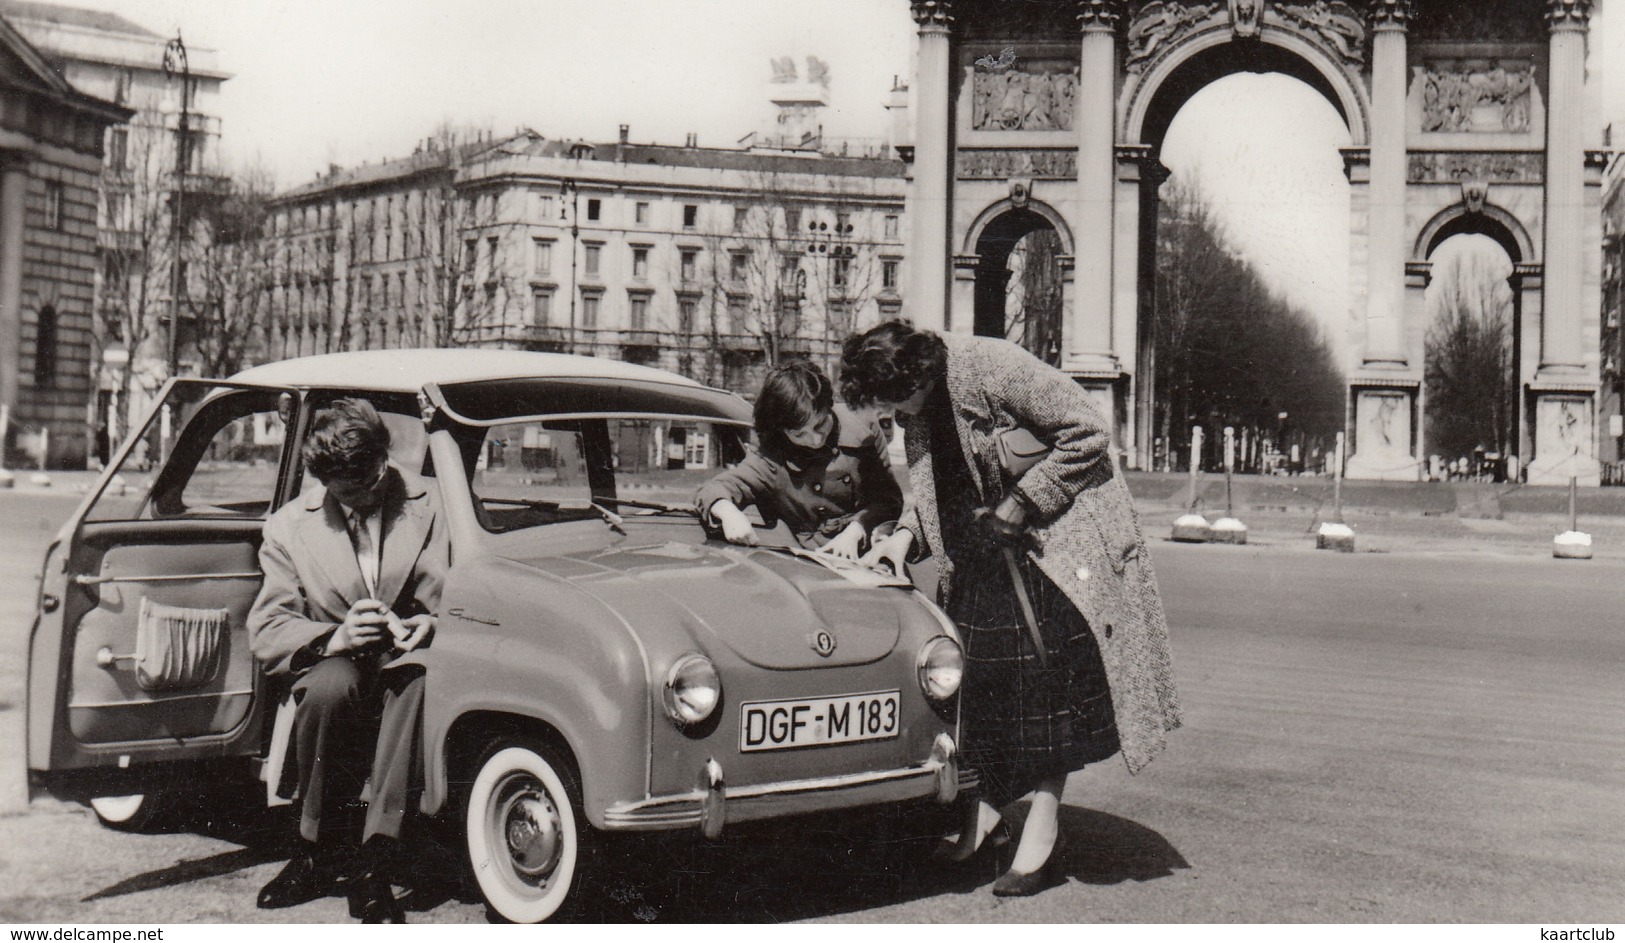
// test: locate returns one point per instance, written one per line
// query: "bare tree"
(1032, 311)
(1469, 372)
(229, 255)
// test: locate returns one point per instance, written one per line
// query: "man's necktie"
(366, 553)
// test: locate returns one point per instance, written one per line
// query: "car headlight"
(693, 689)
(942, 665)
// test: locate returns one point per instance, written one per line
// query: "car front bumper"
(714, 803)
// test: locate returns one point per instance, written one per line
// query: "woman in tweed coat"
(1105, 682)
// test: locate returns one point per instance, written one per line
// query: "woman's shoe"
(1015, 883)
(948, 848)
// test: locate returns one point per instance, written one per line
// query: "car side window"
(217, 453)
(527, 474)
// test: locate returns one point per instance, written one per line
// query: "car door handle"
(470, 617)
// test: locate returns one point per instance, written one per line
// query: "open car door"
(138, 662)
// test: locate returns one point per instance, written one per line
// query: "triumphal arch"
(1464, 116)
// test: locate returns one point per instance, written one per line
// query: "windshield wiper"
(611, 518)
(653, 506)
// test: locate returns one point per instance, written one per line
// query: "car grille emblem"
(822, 642)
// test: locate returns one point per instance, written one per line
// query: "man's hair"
(347, 440)
(791, 396)
(889, 363)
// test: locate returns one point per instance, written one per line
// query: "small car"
(602, 663)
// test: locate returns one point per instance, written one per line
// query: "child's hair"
(791, 396)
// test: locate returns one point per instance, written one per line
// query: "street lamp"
(175, 62)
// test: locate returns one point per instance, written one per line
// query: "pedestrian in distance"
(1043, 569)
(819, 466)
(353, 574)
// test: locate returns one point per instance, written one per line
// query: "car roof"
(407, 371)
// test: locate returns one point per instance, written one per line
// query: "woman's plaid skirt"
(1022, 721)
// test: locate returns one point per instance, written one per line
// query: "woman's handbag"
(1019, 450)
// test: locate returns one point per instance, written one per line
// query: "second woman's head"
(891, 365)
(795, 408)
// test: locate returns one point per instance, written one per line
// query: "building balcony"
(641, 338)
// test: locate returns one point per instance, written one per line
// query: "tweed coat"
(1087, 537)
(312, 577)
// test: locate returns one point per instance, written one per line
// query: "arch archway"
(1019, 283)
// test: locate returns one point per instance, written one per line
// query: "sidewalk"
(1484, 517)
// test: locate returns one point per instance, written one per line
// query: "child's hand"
(845, 544)
(736, 527)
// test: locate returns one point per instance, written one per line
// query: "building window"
(740, 215)
(594, 208)
(690, 265)
(491, 250)
(792, 219)
(118, 148)
(640, 262)
(888, 273)
(738, 263)
(592, 259)
(544, 206)
(687, 312)
(589, 311)
(541, 308)
(640, 312)
(53, 205)
(544, 256)
(641, 214)
(45, 347)
(843, 223)
(691, 216)
(737, 320)
(891, 227)
(840, 272)
(471, 255)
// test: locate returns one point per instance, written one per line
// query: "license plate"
(819, 721)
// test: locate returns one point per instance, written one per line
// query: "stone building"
(708, 261)
(51, 139)
(105, 55)
(1613, 312)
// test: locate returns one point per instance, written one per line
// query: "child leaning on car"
(819, 467)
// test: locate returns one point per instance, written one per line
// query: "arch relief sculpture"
(1464, 99)
(1015, 100)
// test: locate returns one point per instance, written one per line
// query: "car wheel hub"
(534, 835)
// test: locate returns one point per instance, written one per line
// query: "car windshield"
(537, 472)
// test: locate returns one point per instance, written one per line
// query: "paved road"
(1375, 737)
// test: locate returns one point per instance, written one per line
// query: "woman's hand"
(892, 550)
(1008, 520)
(845, 544)
(736, 527)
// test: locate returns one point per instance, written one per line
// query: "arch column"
(930, 195)
(1385, 393)
(1562, 396)
(1089, 339)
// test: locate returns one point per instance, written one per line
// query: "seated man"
(353, 571)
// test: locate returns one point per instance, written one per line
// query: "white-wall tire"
(136, 812)
(524, 833)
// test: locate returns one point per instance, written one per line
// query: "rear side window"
(209, 452)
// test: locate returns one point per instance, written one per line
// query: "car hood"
(767, 606)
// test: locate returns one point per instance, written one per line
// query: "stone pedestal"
(1564, 438)
(1384, 434)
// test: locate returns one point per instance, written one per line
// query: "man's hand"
(892, 550)
(845, 544)
(736, 527)
(367, 623)
(419, 628)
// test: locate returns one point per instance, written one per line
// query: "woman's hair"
(347, 440)
(792, 395)
(889, 363)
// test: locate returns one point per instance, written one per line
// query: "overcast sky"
(345, 81)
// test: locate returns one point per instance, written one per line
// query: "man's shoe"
(373, 901)
(299, 882)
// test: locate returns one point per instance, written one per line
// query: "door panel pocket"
(178, 647)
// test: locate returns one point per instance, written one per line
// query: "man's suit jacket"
(312, 577)
(1086, 535)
